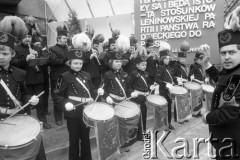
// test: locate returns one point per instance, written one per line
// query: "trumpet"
(96, 51)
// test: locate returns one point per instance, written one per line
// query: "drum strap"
(144, 80)
(124, 93)
(84, 86)
(169, 75)
(10, 93)
(184, 70)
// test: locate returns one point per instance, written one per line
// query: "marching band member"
(152, 59)
(111, 47)
(165, 79)
(13, 76)
(115, 80)
(196, 71)
(180, 70)
(57, 64)
(139, 82)
(223, 118)
(74, 86)
(25, 52)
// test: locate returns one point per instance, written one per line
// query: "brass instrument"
(96, 51)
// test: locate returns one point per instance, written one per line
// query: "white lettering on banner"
(176, 19)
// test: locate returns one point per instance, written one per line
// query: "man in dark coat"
(57, 64)
(224, 117)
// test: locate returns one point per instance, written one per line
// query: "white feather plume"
(164, 46)
(81, 41)
(123, 43)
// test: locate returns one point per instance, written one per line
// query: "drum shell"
(208, 96)
(90, 121)
(30, 148)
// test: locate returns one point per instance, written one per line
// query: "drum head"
(178, 90)
(24, 129)
(192, 86)
(207, 88)
(129, 111)
(100, 111)
(156, 99)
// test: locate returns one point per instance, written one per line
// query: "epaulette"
(18, 74)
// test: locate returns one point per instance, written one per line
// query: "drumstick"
(198, 81)
(79, 104)
(24, 106)
(8, 123)
(153, 89)
(96, 99)
(121, 105)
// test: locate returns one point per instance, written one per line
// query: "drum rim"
(95, 119)
(205, 89)
(139, 113)
(191, 88)
(7, 147)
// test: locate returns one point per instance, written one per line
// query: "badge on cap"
(4, 38)
(78, 54)
(225, 37)
(118, 55)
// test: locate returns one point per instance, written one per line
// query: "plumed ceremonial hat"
(116, 55)
(75, 54)
(140, 59)
(182, 54)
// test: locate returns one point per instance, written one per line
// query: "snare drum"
(128, 115)
(160, 110)
(100, 112)
(21, 138)
(195, 96)
(180, 96)
(100, 116)
(208, 90)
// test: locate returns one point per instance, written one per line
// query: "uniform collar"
(116, 71)
(61, 46)
(9, 70)
(229, 71)
(75, 73)
(141, 72)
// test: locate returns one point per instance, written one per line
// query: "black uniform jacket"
(180, 70)
(14, 79)
(33, 75)
(136, 81)
(196, 70)
(67, 85)
(91, 66)
(57, 60)
(224, 117)
(164, 74)
(112, 86)
(151, 66)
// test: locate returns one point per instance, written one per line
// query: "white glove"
(134, 94)
(152, 87)
(169, 86)
(180, 81)
(69, 106)
(206, 80)
(30, 56)
(109, 100)
(34, 100)
(192, 77)
(100, 91)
